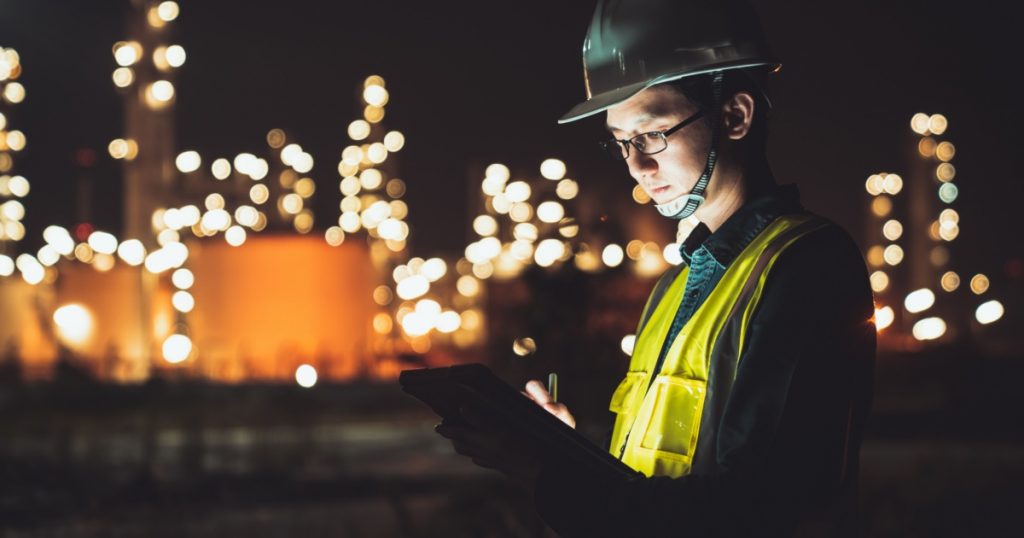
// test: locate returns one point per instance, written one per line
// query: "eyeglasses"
(646, 143)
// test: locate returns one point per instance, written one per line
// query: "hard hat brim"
(603, 101)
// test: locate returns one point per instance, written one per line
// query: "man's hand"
(535, 391)
(491, 444)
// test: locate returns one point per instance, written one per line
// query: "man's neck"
(738, 184)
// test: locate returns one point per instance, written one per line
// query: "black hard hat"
(632, 45)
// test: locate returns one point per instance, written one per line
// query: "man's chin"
(666, 197)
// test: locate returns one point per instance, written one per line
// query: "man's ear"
(738, 115)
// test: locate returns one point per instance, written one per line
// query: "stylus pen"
(553, 387)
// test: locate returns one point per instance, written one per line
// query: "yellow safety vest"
(657, 424)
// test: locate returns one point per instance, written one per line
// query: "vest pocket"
(675, 416)
(626, 392)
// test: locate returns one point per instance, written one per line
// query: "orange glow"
(114, 300)
(640, 196)
(22, 330)
(926, 147)
(308, 302)
(881, 206)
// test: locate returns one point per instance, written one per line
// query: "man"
(746, 394)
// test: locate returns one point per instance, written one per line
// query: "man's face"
(673, 172)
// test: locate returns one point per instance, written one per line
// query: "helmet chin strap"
(681, 207)
(685, 205)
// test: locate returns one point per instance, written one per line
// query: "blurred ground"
(944, 457)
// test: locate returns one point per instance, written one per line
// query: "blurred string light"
(371, 206)
(75, 324)
(160, 94)
(640, 196)
(188, 161)
(940, 153)
(121, 148)
(31, 270)
(306, 376)
(13, 187)
(881, 206)
(544, 232)
(884, 188)
(950, 281)
(989, 312)
(127, 53)
(183, 301)
(892, 230)
(979, 284)
(612, 255)
(884, 317)
(524, 346)
(183, 279)
(948, 192)
(884, 183)
(627, 344)
(893, 254)
(103, 243)
(879, 281)
(176, 348)
(929, 328)
(167, 11)
(552, 169)
(567, 189)
(919, 301)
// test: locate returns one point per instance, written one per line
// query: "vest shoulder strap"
(669, 276)
(660, 288)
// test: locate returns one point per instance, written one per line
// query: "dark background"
(473, 83)
(478, 82)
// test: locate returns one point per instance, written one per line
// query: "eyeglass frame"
(624, 144)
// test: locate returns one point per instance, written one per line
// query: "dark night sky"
(478, 82)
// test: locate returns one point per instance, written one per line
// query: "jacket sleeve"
(790, 433)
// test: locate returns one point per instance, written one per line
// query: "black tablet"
(447, 389)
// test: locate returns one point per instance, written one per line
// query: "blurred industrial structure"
(911, 230)
(167, 357)
(216, 272)
(167, 296)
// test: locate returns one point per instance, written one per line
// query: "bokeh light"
(884, 317)
(989, 312)
(74, 323)
(306, 376)
(176, 348)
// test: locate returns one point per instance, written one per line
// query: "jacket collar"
(743, 226)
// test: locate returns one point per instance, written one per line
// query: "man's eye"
(651, 137)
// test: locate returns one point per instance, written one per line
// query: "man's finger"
(537, 392)
(562, 412)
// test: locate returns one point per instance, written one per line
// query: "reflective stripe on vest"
(657, 427)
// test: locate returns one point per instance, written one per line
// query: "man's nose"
(640, 165)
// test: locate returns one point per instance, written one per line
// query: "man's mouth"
(660, 190)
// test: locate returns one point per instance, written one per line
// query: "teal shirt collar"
(742, 226)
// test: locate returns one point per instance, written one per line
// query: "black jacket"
(783, 460)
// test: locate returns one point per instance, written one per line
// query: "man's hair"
(699, 91)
